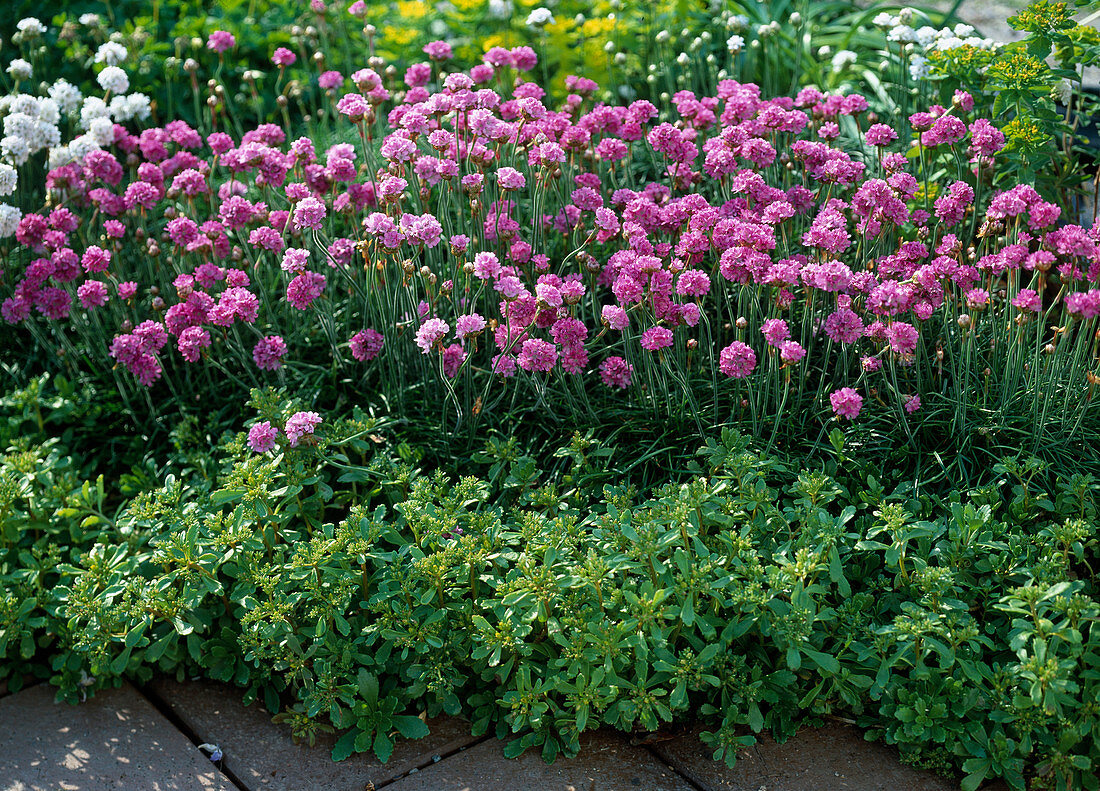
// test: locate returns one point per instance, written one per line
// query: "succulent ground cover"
(447, 378)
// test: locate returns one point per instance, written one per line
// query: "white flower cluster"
(540, 17)
(112, 53)
(30, 125)
(9, 220)
(924, 40)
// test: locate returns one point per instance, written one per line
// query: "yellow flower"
(412, 9)
(1043, 17)
(1024, 135)
(398, 36)
(467, 5)
(1019, 70)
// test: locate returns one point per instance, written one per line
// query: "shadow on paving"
(117, 740)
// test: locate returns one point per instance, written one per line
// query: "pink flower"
(304, 289)
(737, 360)
(283, 57)
(615, 317)
(95, 259)
(430, 333)
(791, 352)
(301, 425)
(354, 106)
(295, 260)
(469, 326)
(92, 294)
(309, 213)
(775, 331)
(510, 179)
(537, 355)
(261, 437)
(912, 403)
(221, 41)
(366, 344)
(191, 342)
(616, 372)
(846, 402)
(486, 265)
(127, 289)
(880, 135)
(453, 357)
(438, 50)
(268, 353)
(656, 338)
(1028, 301)
(902, 337)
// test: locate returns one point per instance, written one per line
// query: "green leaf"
(410, 727)
(383, 747)
(345, 745)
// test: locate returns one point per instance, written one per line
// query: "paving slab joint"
(673, 768)
(166, 711)
(434, 760)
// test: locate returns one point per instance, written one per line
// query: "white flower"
(102, 131)
(19, 69)
(918, 67)
(15, 149)
(500, 9)
(735, 43)
(48, 111)
(9, 177)
(885, 20)
(140, 106)
(1064, 90)
(114, 80)
(843, 59)
(950, 42)
(540, 17)
(19, 125)
(66, 95)
(59, 157)
(9, 219)
(89, 20)
(738, 22)
(112, 53)
(926, 35)
(683, 59)
(964, 31)
(662, 37)
(81, 146)
(30, 27)
(902, 33)
(93, 108)
(25, 104)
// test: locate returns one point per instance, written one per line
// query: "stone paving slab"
(116, 740)
(607, 762)
(833, 757)
(261, 755)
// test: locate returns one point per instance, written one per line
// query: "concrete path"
(147, 741)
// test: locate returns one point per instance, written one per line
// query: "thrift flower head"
(268, 353)
(309, 213)
(846, 402)
(283, 57)
(737, 360)
(301, 425)
(220, 41)
(430, 333)
(656, 338)
(366, 344)
(616, 372)
(261, 437)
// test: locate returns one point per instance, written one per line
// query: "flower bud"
(964, 320)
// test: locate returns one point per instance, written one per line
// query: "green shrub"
(349, 590)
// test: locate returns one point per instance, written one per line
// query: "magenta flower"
(366, 344)
(309, 213)
(737, 360)
(791, 352)
(656, 338)
(268, 353)
(261, 437)
(510, 179)
(92, 294)
(537, 355)
(430, 333)
(304, 289)
(1028, 301)
(220, 41)
(283, 57)
(616, 372)
(301, 425)
(775, 331)
(846, 402)
(469, 326)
